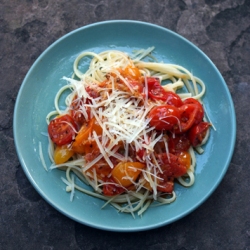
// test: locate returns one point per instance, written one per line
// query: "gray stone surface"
(220, 28)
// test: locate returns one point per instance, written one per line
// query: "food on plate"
(129, 129)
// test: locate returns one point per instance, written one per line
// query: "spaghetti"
(125, 130)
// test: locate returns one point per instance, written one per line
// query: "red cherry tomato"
(157, 92)
(77, 106)
(200, 113)
(164, 117)
(173, 99)
(166, 185)
(188, 117)
(197, 133)
(171, 165)
(178, 143)
(62, 130)
(75, 110)
(110, 188)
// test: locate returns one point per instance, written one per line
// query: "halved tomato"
(157, 92)
(200, 112)
(164, 117)
(197, 133)
(62, 129)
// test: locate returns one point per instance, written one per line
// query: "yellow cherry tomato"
(185, 159)
(131, 73)
(62, 154)
(125, 173)
(82, 144)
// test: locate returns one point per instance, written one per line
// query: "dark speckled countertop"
(220, 28)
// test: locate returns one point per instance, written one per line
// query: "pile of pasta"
(129, 129)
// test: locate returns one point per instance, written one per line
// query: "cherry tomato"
(82, 137)
(62, 154)
(102, 168)
(188, 117)
(171, 166)
(173, 99)
(125, 173)
(200, 112)
(77, 105)
(82, 144)
(157, 92)
(62, 129)
(75, 110)
(89, 149)
(164, 117)
(166, 185)
(197, 133)
(96, 127)
(184, 158)
(111, 188)
(132, 73)
(178, 143)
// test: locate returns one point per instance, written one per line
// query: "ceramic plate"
(36, 97)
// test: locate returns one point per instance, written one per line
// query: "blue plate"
(35, 100)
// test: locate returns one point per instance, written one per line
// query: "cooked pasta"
(129, 129)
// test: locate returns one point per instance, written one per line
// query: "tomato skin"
(171, 166)
(131, 73)
(111, 188)
(197, 133)
(188, 113)
(62, 154)
(178, 143)
(157, 92)
(75, 110)
(62, 129)
(127, 169)
(184, 158)
(173, 99)
(82, 144)
(82, 137)
(166, 185)
(164, 117)
(78, 103)
(200, 112)
(102, 169)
